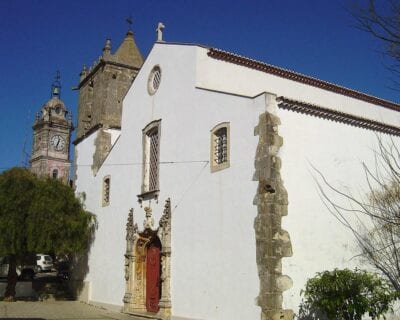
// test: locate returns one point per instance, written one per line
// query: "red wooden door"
(153, 278)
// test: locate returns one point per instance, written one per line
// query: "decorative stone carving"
(131, 237)
(165, 220)
(135, 263)
(131, 232)
(149, 222)
(139, 281)
(272, 243)
(164, 233)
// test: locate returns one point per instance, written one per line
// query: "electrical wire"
(122, 164)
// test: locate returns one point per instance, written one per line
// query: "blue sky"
(317, 38)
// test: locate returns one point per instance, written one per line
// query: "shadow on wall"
(67, 284)
(71, 273)
(79, 268)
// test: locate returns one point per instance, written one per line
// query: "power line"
(190, 186)
(123, 164)
(141, 163)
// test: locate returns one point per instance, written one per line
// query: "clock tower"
(51, 137)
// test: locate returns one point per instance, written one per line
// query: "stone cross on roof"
(159, 30)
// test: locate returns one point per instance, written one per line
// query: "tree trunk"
(11, 279)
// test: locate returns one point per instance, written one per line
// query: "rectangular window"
(151, 160)
(220, 147)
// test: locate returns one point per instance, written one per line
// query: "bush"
(346, 294)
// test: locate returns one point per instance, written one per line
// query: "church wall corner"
(272, 242)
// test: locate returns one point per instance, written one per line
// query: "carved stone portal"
(137, 244)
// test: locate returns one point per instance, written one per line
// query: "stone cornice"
(294, 76)
(67, 125)
(42, 157)
(337, 116)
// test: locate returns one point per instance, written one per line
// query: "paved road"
(49, 310)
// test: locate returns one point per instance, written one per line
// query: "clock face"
(57, 142)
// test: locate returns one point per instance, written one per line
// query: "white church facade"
(205, 198)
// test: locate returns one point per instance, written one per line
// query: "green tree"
(39, 215)
(346, 294)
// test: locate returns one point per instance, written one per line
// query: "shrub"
(346, 294)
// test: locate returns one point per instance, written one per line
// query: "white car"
(44, 262)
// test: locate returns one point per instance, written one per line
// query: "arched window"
(55, 174)
(106, 191)
(220, 147)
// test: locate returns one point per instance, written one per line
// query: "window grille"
(106, 191)
(221, 146)
(153, 159)
(154, 80)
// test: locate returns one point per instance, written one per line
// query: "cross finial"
(58, 76)
(130, 22)
(159, 30)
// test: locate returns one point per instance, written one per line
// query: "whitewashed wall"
(213, 255)
(214, 273)
(320, 241)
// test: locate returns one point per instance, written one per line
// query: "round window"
(154, 80)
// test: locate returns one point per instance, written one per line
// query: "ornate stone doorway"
(147, 266)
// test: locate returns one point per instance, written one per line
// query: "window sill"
(149, 195)
(219, 167)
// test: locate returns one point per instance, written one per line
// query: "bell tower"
(102, 88)
(51, 137)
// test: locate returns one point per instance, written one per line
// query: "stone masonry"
(102, 89)
(272, 242)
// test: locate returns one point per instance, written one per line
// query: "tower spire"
(56, 86)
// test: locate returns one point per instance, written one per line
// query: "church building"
(198, 165)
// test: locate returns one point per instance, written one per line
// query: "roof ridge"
(299, 77)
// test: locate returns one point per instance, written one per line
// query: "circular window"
(154, 80)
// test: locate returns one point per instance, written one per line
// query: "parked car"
(44, 262)
(24, 272)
